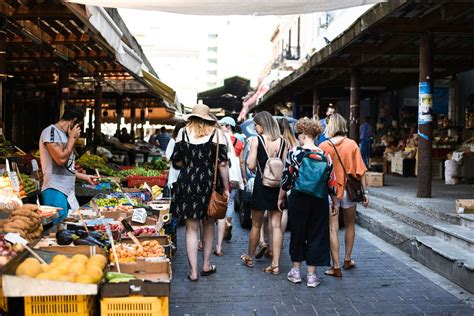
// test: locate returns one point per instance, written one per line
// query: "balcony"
(291, 53)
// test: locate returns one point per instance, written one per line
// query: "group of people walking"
(296, 182)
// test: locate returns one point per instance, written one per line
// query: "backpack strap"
(282, 145)
(212, 136)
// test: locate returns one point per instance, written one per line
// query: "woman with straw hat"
(194, 155)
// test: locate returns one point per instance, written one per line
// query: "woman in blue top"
(308, 214)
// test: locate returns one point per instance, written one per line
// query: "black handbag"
(355, 192)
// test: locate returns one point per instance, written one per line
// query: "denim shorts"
(344, 203)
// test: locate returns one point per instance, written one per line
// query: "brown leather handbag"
(218, 202)
(355, 192)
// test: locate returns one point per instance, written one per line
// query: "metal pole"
(142, 122)
(316, 103)
(132, 120)
(3, 74)
(119, 108)
(354, 105)
(90, 128)
(425, 118)
(63, 86)
(97, 115)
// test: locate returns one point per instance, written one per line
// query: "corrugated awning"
(160, 88)
(231, 7)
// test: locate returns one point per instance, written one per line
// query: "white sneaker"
(294, 276)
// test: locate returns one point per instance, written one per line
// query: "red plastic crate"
(136, 181)
(126, 167)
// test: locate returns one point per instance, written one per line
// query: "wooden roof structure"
(48, 38)
(384, 45)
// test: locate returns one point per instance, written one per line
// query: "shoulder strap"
(282, 144)
(212, 136)
(235, 141)
(215, 162)
(339, 157)
(264, 145)
(185, 135)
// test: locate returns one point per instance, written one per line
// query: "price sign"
(15, 181)
(15, 238)
(139, 215)
(34, 165)
(146, 186)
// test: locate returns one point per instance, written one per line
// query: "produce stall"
(112, 254)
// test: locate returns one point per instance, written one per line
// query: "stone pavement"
(381, 284)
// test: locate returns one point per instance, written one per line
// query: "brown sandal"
(335, 272)
(349, 264)
(261, 250)
(272, 270)
(246, 260)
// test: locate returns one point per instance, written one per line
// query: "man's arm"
(61, 154)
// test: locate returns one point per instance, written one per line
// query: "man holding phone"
(58, 162)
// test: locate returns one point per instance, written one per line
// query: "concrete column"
(63, 87)
(3, 74)
(119, 109)
(97, 114)
(133, 108)
(354, 116)
(316, 103)
(425, 111)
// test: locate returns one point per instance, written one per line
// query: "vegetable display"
(139, 171)
(130, 252)
(28, 185)
(90, 161)
(157, 164)
(26, 221)
(79, 269)
(8, 251)
(81, 237)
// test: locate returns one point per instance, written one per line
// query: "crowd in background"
(300, 181)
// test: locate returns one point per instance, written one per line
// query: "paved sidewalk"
(379, 285)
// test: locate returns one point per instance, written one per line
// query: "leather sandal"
(349, 264)
(219, 254)
(246, 260)
(271, 269)
(335, 272)
(261, 250)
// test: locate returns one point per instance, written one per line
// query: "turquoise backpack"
(313, 176)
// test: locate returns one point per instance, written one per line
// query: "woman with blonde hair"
(194, 154)
(347, 161)
(267, 145)
(310, 177)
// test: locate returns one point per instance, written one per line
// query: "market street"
(380, 284)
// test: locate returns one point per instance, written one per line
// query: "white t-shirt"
(61, 178)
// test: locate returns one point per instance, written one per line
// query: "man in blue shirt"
(366, 135)
(163, 138)
(330, 110)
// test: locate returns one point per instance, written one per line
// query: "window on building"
(212, 36)
(211, 84)
(212, 60)
(212, 49)
(212, 72)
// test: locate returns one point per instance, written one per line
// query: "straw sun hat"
(201, 111)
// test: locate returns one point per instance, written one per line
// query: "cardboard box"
(153, 279)
(375, 179)
(464, 207)
(163, 240)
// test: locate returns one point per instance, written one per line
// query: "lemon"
(95, 273)
(77, 267)
(29, 268)
(80, 258)
(43, 276)
(59, 258)
(100, 258)
(85, 279)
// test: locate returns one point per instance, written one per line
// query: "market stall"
(111, 255)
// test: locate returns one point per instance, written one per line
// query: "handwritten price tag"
(139, 215)
(34, 165)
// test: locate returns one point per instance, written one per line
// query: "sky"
(176, 45)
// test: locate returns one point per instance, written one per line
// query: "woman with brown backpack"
(267, 152)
